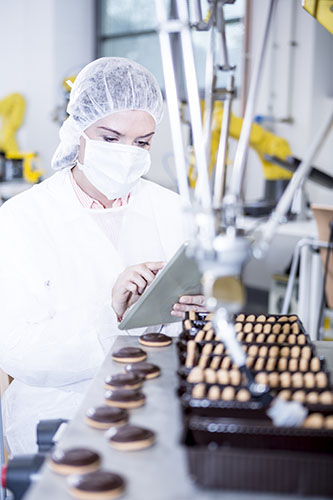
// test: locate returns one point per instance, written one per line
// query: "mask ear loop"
(85, 136)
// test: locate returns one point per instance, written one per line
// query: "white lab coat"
(57, 270)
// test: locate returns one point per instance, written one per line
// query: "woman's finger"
(146, 273)
(155, 266)
(178, 314)
(198, 300)
(188, 307)
(139, 281)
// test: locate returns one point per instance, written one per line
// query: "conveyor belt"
(157, 473)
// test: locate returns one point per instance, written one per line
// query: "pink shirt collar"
(89, 202)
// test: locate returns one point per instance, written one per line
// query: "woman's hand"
(189, 303)
(131, 283)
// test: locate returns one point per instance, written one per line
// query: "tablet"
(181, 276)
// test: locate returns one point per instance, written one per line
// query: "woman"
(79, 248)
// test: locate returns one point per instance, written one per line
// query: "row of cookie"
(272, 338)
(297, 379)
(214, 393)
(195, 351)
(265, 351)
(123, 392)
(256, 363)
(304, 365)
(224, 377)
(263, 318)
(310, 397)
(267, 328)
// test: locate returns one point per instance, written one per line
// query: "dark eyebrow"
(111, 130)
(144, 136)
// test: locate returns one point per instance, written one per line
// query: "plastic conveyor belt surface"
(157, 473)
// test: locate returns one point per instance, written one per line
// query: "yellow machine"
(322, 10)
(12, 110)
(261, 140)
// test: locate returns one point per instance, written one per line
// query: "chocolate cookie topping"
(107, 414)
(124, 395)
(124, 379)
(97, 481)
(155, 337)
(129, 433)
(144, 369)
(129, 352)
(76, 457)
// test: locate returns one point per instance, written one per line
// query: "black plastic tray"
(261, 470)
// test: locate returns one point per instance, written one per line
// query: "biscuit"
(125, 398)
(130, 437)
(228, 394)
(124, 381)
(198, 391)
(104, 417)
(74, 460)
(222, 377)
(129, 355)
(155, 339)
(314, 421)
(214, 393)
(146, 370)
(210, 376)
(102, 484)
(190, 354)
(199, 336)
(196, 375)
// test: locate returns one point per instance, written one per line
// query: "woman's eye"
(110, 139)
(143, 144)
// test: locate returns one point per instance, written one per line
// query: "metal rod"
(197, 12)
(292, 275)
(243, 143)
(172, 100)
(291, 65)
(301, 173)
(210, 79)
(222, 42)
(221, 161)
(204, 195)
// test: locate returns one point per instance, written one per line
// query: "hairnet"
(103, 87)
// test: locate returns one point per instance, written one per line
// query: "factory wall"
(40, 42)
(311, 86)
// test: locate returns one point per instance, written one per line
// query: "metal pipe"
(291, 65)
(197, 12)
(210, 80)
(222, 42)
(172, 98)
(243, 143)
(301, 173)
(316, 293)
(204, 195)
(221, 161)
(291, 280)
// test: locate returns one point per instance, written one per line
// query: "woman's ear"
(82, 148)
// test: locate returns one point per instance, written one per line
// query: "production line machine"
(221, 248)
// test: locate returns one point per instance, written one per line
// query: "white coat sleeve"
(40, 345)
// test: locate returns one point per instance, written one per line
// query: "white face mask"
(114, 169)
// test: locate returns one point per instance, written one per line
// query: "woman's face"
(131, 127)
